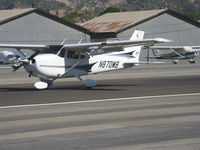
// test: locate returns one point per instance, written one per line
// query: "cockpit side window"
(82, 56)
(75, 55)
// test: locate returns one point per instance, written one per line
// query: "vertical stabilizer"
(137, 35)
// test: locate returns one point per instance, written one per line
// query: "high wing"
(24, 46)
(196, 47)
(178, 49)
(174, 47)
(113, 44)
(88, 46)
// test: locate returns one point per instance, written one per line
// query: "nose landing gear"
(192, 61)
(41, 85)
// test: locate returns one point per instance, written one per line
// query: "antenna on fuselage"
(81, 41)
(63, 41)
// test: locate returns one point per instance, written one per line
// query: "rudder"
(137, 35)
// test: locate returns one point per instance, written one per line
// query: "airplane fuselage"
(52, 65)
(187, 55)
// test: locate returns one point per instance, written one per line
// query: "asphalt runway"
(147, 111)
(144, 80)
(23, 94)
(142, 123)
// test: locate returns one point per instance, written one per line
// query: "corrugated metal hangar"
(35, 26)
(162, 23)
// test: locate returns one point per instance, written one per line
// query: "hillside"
(97, 6)
(44, 4)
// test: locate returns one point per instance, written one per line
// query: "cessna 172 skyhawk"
(175, 53)
(50, 62)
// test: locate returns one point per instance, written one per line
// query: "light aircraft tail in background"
(175, 53)
(137, 35)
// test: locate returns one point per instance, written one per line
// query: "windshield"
(52, 49)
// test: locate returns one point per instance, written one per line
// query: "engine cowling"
(190, 52)
(188, 49)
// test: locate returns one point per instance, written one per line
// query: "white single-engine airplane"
(175, 53)
(50, 62)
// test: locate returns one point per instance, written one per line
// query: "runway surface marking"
(184, 144)
(101, 100)
(159, 122)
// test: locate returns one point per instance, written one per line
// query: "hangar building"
(34, 26)
(164, 23)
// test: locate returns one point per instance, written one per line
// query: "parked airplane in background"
(50, 62)
(175, 53)
(7, 56)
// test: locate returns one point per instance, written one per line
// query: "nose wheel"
(41, 85)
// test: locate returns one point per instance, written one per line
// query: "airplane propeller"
(23, 60)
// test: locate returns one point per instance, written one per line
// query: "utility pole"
(32, 5)
(85, 5)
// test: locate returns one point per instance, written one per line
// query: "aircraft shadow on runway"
(99, 87)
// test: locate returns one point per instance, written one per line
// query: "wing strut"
(177, 53)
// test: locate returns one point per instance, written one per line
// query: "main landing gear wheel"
(175, 62)
(89, 84)
(192, 61)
